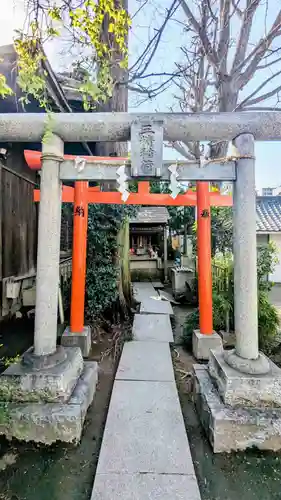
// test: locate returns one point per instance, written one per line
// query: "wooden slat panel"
(18, 225)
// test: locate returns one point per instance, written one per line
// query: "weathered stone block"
(50, 422)
(240, 389)
(233, 429)
(202, 344)
(20, 383)
(179, 279)
(82, 340)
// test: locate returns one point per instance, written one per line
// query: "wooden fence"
(18, 218)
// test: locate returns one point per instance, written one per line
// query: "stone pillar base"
(202, 344)
(47, 405)
(82, 340)
(232, 428)
(240, 389)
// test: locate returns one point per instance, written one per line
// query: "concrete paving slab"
(155, 306)
(145, 431)
(152, 328)
(157, 284)
(143, 291)
(146, 361)
(145, 487)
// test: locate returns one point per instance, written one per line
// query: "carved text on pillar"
(205, 213)
(146, 148)
(79, 211)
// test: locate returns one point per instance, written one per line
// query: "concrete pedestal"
(21, 383)
(233, 429)
(239, 389)
(179, 279)
(238, 410)
(47, 405)
(82, 340)
(202, 344)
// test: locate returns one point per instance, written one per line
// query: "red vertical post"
(204, 258)
(79, 256)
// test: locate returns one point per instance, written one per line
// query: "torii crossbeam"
(81, 195)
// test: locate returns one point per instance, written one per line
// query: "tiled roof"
(151, 215)
(268, 214)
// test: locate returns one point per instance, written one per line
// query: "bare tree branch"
(201, 31)
(181, 149)
(258, 52)
(152, 46)
(263, 97)
(268, 65)
(236, 9)
(223, 44)
(248, 101)
(243, 41)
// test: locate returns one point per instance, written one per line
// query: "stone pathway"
(145, 454)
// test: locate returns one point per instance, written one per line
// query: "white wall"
(276, 275)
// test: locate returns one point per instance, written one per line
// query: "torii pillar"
(205, 338)
(78, 334)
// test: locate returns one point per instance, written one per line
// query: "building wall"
(262, 240)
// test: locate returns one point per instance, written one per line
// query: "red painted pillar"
(79, 255)
(204, 258)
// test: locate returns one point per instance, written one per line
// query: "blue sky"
(268, 171)
(268, 154)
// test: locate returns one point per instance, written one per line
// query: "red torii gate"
(81, 195)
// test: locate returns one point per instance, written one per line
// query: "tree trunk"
(228, 98)
(119, 99)
(185, 240)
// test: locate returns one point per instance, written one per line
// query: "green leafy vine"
(87, 23)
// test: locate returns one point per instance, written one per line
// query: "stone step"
(155, 306)
(157, 284)
(152, 328)
(146, 361)
(145, 487)
(143, 291)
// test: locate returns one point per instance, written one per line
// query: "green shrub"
(223, 299)
(268, 322)
(191, 323)
(221, 310)
(266, 262)
(103, 259)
